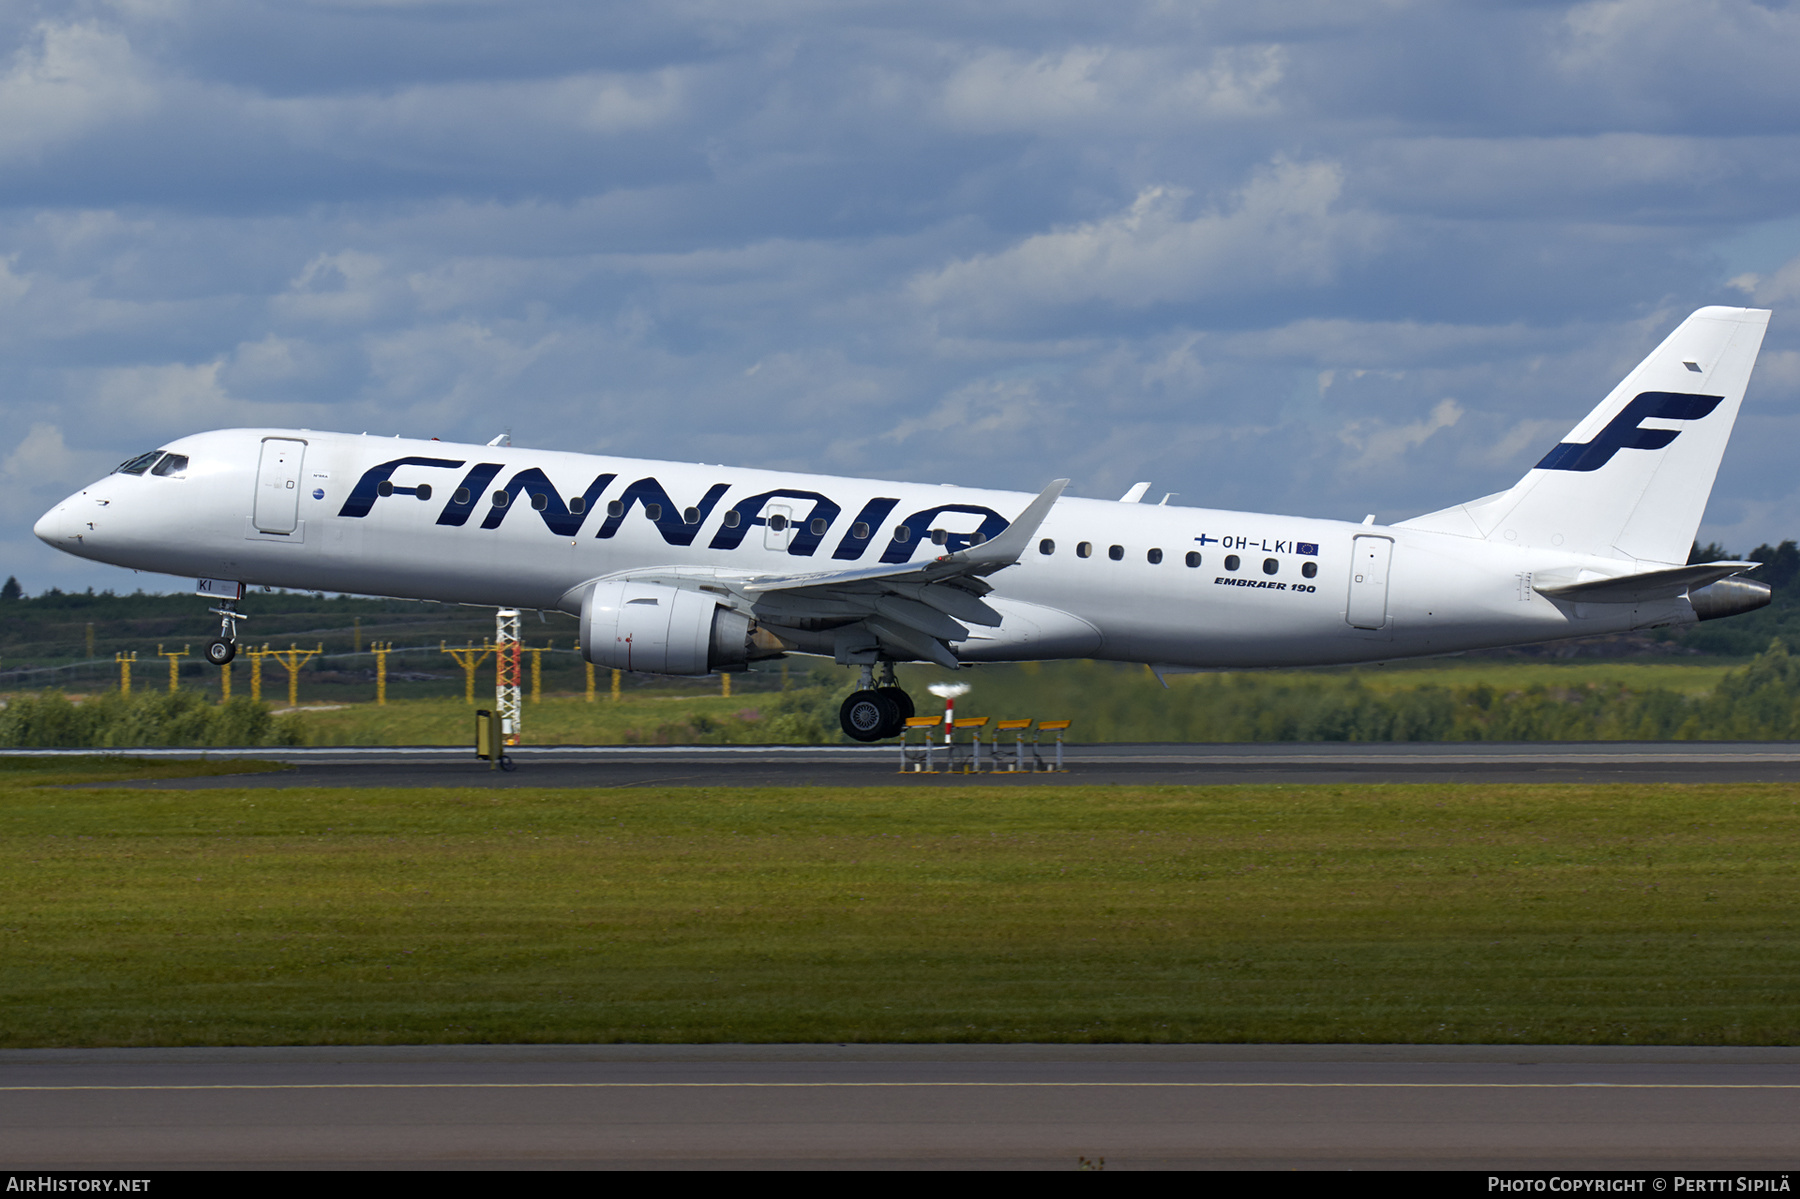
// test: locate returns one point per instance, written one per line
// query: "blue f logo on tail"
(1622, 432)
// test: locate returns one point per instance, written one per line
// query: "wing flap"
(923, 617)
(916, 609)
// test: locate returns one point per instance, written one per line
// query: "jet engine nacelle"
(659, 629)
(1728, 597)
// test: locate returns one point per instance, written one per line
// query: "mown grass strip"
(1574, 914)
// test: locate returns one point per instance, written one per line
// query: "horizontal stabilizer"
(1638, 588)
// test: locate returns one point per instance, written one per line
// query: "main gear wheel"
(870, 716)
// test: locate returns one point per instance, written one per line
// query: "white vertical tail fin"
(1632, 480)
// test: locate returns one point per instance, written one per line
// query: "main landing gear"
(223, 648)
(876, 710)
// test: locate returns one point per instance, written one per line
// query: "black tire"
(219, 651)
(903, 709)
(867, 716)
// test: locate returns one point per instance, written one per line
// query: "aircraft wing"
(913, 609)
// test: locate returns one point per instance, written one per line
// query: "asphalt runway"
(879, 766)
(903, 1106)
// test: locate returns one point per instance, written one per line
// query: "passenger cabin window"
(733, 519)
(1193, 558)
(653, 511)
(613, 508)
(500, 498)
(1270, 566)
(1084, 549)
(423, 491)
(385, 487)
(172, 464)
(540, 501)
(902, 534)
(818, 525)
(1310, 570)
(939, 536)
(137, 465)
(860, 530)
(1116, 553)
(1046, 547)
(1231, 561)
(461, 498)
(577, 504)
(1155, 557)
(777, 523)
(690, 516)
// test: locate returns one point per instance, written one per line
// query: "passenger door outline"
(1371, 566)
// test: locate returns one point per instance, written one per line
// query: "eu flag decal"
(1308, 548)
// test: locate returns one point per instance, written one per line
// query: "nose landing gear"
(876, 711)
(223, 648)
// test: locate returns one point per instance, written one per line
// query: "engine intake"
(657, 629)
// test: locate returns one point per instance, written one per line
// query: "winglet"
(1012, 543)
(982, 559)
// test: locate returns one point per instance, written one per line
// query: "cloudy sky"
(1311, 256)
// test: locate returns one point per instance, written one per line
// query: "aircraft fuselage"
(1182, 586)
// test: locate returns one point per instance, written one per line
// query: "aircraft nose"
(49, 527)
(56, 526)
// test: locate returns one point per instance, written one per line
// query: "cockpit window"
(172, 464)
(139, 464)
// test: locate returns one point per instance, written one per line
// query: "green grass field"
(558, 720)
(1108, 702)
(1606, 914)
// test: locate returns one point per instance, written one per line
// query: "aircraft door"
(779, 531)
(1369, 566)
(278, 485)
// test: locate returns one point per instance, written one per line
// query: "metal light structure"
(506, 673)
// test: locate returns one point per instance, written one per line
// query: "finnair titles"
(685, 569)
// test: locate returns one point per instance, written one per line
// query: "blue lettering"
(363, 495)
(872, 514)
(749, 510)
(475, 483)
(670, 521)
(557, 516)
(919, 526)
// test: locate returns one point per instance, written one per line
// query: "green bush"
(114, 721)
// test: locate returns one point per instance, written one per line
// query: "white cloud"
(1379, 448)
(40, 470)
(1781, 286)
(1089, 85)
(1283, 228)
(41, 454)
(67, 80)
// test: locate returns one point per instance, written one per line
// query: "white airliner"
(684, 569)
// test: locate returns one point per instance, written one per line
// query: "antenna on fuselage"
(504, 439)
